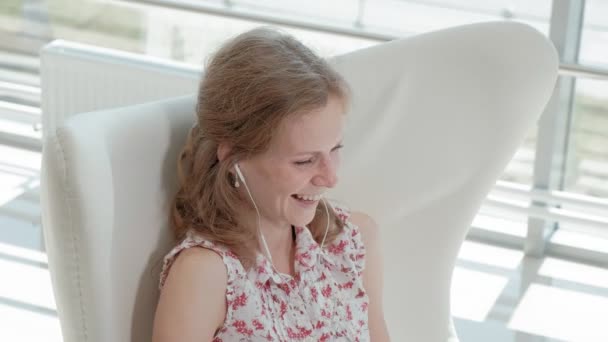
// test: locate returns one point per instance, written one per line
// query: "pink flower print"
(283, 309)
(285, 288)
(261, 269)
(326, 291)
(241, 327)
(347, 285)
(232, 255)
(359, 256)
(314, 293)
(325, 313)
(253, 296)
(257, 324)
(302, 332)
(239, 301)
(262, 285)
(339, 248)
(304, 258)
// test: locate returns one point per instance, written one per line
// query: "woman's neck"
(278, 237)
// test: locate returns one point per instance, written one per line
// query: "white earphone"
(278, 278)
(242, 177)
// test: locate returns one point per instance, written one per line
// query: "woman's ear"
(222, 151)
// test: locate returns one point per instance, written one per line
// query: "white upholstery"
(79, 78)
(435, 120)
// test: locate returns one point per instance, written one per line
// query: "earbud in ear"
(239, 175)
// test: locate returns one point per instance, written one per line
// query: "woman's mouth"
(303, 202)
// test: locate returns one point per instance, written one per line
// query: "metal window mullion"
(554, 125)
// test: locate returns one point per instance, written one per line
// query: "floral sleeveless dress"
(324, 301)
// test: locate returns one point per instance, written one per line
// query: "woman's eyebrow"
(317, 152)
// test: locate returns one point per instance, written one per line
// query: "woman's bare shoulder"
(198, 266)
(192, 303)
(367, 226)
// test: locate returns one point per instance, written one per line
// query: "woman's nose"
(328, 174)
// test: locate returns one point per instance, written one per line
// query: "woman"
(277, 261)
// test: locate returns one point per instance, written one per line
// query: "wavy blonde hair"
(250, 86)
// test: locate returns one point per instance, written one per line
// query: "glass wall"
(187, 31)
(587, 171)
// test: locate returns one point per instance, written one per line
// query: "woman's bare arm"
(192, 303)
(372, 275)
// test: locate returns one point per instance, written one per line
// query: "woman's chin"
(303, 219)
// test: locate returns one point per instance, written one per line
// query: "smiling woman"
(277, 260)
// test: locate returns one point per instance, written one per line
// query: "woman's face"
(303, 159)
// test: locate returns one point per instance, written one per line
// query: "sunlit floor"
(497, 293)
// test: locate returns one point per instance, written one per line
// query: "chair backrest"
(106, 181)
(435, 119)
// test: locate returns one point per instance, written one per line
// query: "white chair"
(435, 120)
(78, 78)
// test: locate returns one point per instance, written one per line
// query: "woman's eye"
(304, 162)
